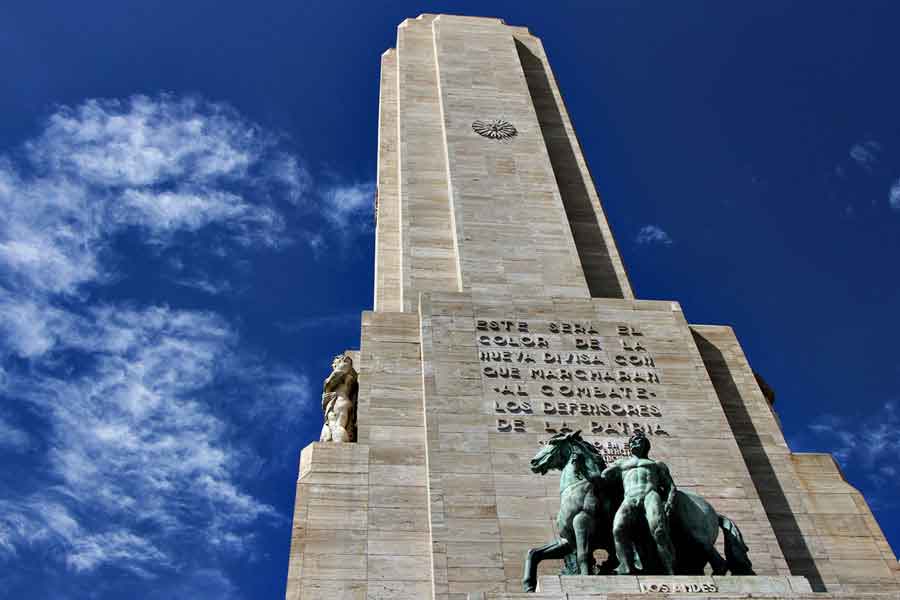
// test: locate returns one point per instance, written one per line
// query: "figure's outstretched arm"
(611, 472)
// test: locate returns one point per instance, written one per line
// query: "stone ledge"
(773, 585)
(333, 462)
(648, 596)
(555, 587)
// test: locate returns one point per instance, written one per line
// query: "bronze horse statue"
(588, 504)
(586, 507)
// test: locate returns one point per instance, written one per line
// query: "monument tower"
(503, 323)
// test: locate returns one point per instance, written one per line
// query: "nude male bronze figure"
(649, 496)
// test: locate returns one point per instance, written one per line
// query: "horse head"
(555, 453)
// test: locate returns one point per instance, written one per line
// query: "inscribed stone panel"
(605, 367)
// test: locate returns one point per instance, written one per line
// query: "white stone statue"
(339, 401)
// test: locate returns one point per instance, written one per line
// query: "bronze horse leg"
(558, 549)
(583, 524)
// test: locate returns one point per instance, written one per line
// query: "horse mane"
(593, 460)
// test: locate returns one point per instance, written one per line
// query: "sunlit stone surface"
(502, 317)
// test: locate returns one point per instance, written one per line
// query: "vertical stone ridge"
(428, 255)
(455, 218)
(329, 533)
(600, 259)
(387, 224)
(437, 558)
(391, 424)
(511, 227)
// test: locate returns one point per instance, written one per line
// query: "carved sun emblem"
(495, 129)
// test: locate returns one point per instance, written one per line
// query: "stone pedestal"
(554, 587)
(783, 586)
(329, 535)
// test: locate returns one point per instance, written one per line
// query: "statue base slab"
(661, 584)
(620, 587)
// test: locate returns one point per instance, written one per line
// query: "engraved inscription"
(573, 375)
(652, 587)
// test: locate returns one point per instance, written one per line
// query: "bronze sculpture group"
(632, 510)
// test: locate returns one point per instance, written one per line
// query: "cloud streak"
(349, 207)
(141, 463)
(133, 439)
(867, 447)
(894, 195)
(652, 234)
(866, 153)
(12, 437)
(144, 141)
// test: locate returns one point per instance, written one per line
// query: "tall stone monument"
(503, 323)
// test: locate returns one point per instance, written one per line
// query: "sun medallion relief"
(495, 129)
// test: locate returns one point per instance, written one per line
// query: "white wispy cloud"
(12, 437)
(294, 177)
(29, 324)
(867, 445)
(144, 141)
(170, 211)
(174, 164)
(120, 547)
(37, 522)
(349, 206)
(132, 439)
(652, 234)
(865, 153)
(143, 465)
(894, 195)
(50, 232)
(204, 284)
(164, 165)
(34, 521)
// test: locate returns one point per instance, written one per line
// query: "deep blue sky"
(185, 241)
